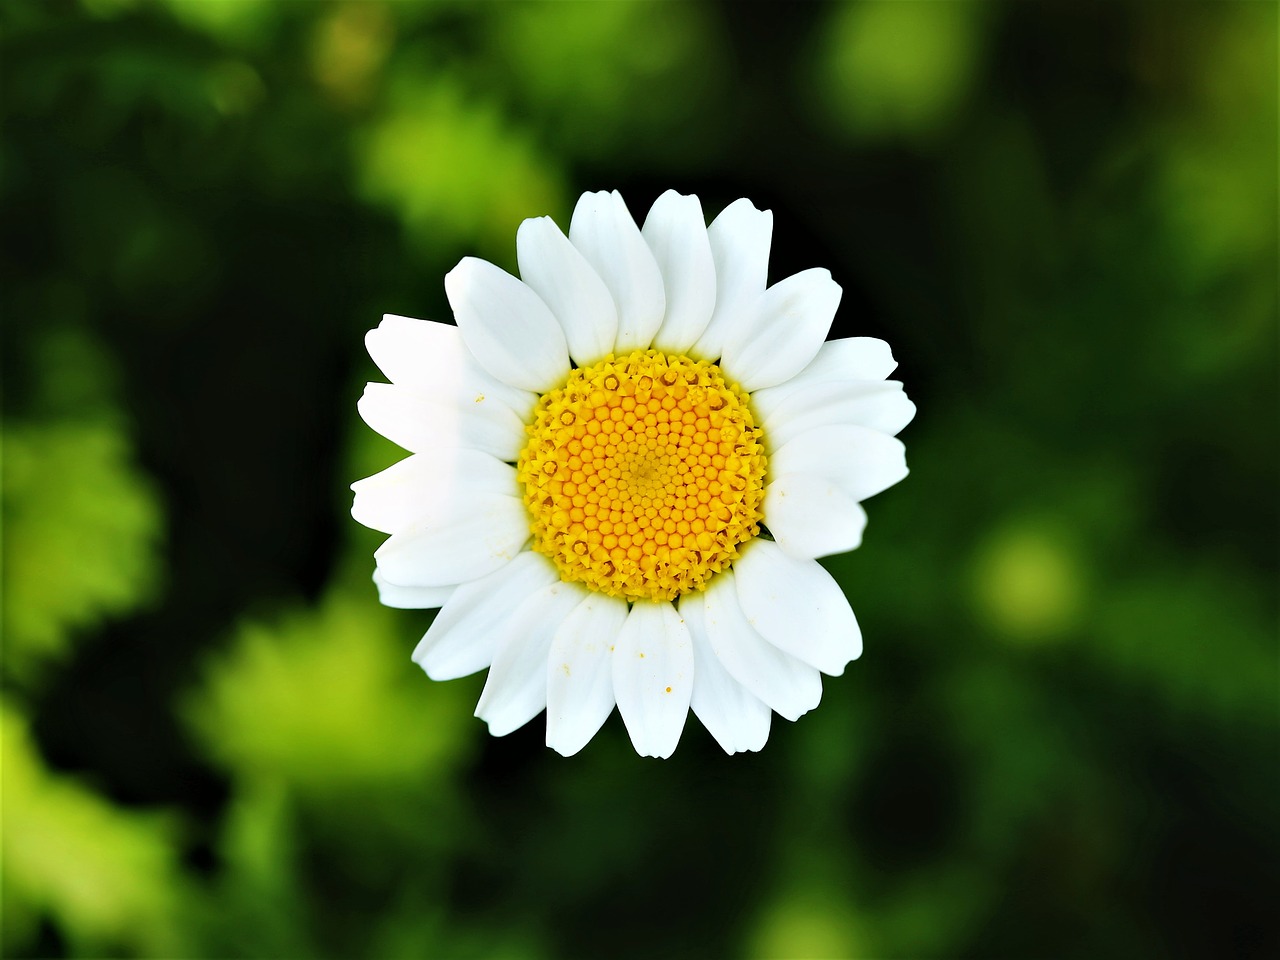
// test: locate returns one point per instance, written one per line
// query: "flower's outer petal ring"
(653, 677)
(740, 238)
(409, 598)
(876, 404)
(556, 271)
(430, 359)
(784, 333)
(506, 326)
(605, 232)
(797, 606)
(676, 232)
(788, 685)
(810, 516)
(516, 688)
(391, 501)
(851, 358)
(738, 720)
(579, 672)
(423, 424)
(479, 533)
(464, 635)
(862, 462)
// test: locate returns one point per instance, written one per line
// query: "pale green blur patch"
(235, 87)
(349, 46)
(328, 701)
(897, 69)
(82, 534)
(110, 879)
(808, 919)
(1218, 187)
(237, 22)
(259, 894)
(450, 165)
(1028, 582)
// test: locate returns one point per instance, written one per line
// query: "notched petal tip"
(785, 331)
(575, 293)
(605, 233)
(506, 326)
(653, 676)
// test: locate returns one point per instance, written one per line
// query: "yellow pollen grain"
(643, 475)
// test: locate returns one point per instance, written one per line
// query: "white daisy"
(624, 466)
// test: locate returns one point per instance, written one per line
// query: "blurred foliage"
(110, 878)
(484, 176)
(82, 523)
(1061, 741)
(345, 717)
(897, 69)
(80, 531)
(578, 68)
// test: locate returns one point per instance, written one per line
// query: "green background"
(1062, 738)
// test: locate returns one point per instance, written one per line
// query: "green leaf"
(82, 534)
(106, 878)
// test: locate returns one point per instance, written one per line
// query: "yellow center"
(643, 474)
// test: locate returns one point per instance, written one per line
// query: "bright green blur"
(1061, 740)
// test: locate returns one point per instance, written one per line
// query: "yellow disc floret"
(643, 474)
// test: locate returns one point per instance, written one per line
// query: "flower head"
(625, 464)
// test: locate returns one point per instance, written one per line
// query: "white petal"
(877, 404)
(409, 598)
(740, 239)
(431, 359)
(478, 533)
(579, 672)
(797, 606)
(851, 358)
(782, 336)
(653, 677)
(465, 632)
(506, 326)
(737, 719)
(676, 232)
(860, 461)
(810, 516)
(561, 276)
(424, 424)
(605, 232)
(516, 688)
(423, 484)
(789, 686)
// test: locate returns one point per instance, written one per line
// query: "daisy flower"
(624, 466)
